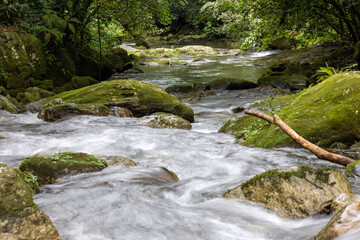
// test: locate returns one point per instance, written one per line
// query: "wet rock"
(198, 59)
(141, 98)
(338, 145)
(297, 192)
(20, 218)
(356, 145)
(49, 169)
(52, 113)
(231, 84)
(121, 112)
(167, 120)
(197, 96)
(341, 201)
(293, 82)
(185, 88)
(346, 219)
(197, 49)
(238, 109)
(117, 160)
(6, 105)
(353, 169)
(156, 176)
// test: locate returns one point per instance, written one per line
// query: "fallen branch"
(319, 152)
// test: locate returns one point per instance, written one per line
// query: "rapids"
(121, 203)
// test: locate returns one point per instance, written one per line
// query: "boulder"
(20, 218)
(346, 219)
(197, 49)
(231, 84)
(323, 114)
(117, 160)
(33, 94)
(6, 105)
(296, 192)
(197, 96)
(185, 88)
(283, 80)
(49, 169)
(141, 98)
(167, 120)
(119, 59)
(159, 175)
(21, 58)
(353, 169)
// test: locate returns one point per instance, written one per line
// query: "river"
(124, 203)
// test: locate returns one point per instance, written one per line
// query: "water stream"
(126, 203)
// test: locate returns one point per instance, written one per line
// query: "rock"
(117, 160)
(198, 59)
(80, 82)
(326, 113)
(119, 59)
(341, 201)
(20, 218)
(129, 49)
(21, 58)
(197, 49)
(49, 169)
(121, 112)
(185, 88)
(6, 105)
(155, 176)
(352, 169)
(52, 113)
(284, 43)
(238, 109)
(167, 120)
(338, 145)
(297, 192)
(197, 96)
(343, 221)
(293, 82)
(33, 94)
(231, 84)
(3, 91)
(140, 97)
(356, 145)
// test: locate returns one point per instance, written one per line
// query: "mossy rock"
(198, 59)
(140, 97)
(117, 160)
(185, 88)
(21, 57)
(119, 59)
(283, 80)
(89, 66)
(49, 169)
(167, 120)
(352, 169)
(197, 96)
(197, 49)
(20, 218)
(33, 94)
(343, 221)
(231, 84)
(79, 82)
(296, 192)
(326, 113)
(7, 105)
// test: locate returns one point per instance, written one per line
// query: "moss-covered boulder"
(117, 160)
(184, 88)
(197, 49)
(343, 221)
(33, 94)
(20, 218)
(7, 105)
(297, 192)
(21, 58)
(283, 80)
(49, 169)
(140, 97)
(119, 59)
(353, 169)
(167, 120)
(197, 96)
(231, 84)
(326, 113)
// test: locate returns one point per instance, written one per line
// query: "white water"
(120, 203)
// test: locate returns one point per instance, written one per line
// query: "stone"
(117, 160)
(49, 169)
(346, 219)
(20, 218)
(33, 94)
(231, 84)
(6, 105)
(197, 96)
(352, 169)
(141, 98)
(184, 88)
(167, 120)
(119, 59)
(296, 192)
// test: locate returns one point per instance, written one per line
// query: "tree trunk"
(319, 152)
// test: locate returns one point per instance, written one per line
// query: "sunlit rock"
(296, 192)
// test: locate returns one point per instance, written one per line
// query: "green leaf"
(47, 38)
(6, 2)
(71, 27)
(75, 20)
(67, 18)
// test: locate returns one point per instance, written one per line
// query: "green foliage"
(30, 178)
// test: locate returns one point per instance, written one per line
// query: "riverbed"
(125, 203)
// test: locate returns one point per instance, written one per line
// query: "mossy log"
(319, 152)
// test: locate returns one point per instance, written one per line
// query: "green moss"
(6, 105)
(198, 59)
(29, 179)
(350, 168)
(49, 168)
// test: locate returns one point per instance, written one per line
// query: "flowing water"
(130, 202)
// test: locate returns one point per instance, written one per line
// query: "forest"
(180, 119)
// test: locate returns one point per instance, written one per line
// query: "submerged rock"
(117, 160)
(346, 219)
(139, 97)
(297, 192)
(185, 88)
(48, 169)
(197, 96)
(155, 176)
(326, 113)
(20, 218)
(167, 120)
(231, 84)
